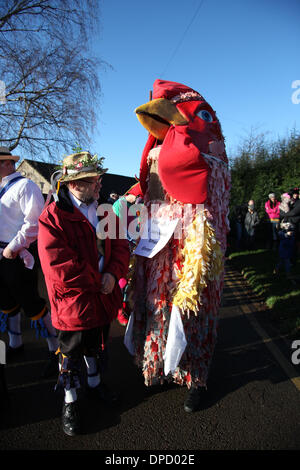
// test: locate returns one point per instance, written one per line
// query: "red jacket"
(69, 259)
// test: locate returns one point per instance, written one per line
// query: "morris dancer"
(82, 280)
(21, 203)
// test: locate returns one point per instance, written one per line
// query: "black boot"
(193, 400)
(70, 419)
(104, 394)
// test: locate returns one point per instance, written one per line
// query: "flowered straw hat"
(81, 165)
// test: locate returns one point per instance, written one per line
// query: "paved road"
(252, 402)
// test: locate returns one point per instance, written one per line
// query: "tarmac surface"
(252, 401)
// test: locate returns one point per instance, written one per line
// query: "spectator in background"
(113, 197)
(122, 205)
(293, 216)
(250, 224)
(272, 210)
(239, 217)
(286, 236)
(284, 206)
(294, 193)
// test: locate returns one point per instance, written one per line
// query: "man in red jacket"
(81, 274)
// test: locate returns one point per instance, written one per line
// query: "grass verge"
(280, 294)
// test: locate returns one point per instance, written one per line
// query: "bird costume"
(184, 177)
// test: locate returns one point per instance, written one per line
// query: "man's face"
(86, 189)
(6, 168)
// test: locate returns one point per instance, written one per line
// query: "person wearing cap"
(21, 203)
(273, 212)
(81, 273)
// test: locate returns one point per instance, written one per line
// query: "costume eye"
(205, 115)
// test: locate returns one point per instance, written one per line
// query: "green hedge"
(280, 294)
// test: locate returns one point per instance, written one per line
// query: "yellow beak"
(157, 116)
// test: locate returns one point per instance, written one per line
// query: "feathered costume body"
(184, 175)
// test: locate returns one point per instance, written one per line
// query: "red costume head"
(179, 119)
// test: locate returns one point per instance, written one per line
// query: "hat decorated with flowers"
(81, 165)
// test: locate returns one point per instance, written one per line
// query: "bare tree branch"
(52, 84)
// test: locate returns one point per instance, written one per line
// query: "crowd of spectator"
(283, 234)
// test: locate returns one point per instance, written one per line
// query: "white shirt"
(20, 208)
(89, 211)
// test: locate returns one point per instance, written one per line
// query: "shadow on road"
(240, 358)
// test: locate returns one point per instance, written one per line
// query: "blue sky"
(242, 56)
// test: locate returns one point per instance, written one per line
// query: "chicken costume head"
(187, 126)
(183, 165)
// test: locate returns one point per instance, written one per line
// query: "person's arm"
(267, 208)
(31, 204)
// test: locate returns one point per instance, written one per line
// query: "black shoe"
(51, 368)
(70, 419)
(103, 393)
(12, 353)
(193, 400)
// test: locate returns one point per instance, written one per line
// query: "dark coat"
(251, 221)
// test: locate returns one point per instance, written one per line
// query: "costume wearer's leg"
(18, 288)
(51, 336)
(35, 306)
(14, 331)
(10, 318)
(93, 375)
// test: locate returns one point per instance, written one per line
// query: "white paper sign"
(155, 235)
(176, 342)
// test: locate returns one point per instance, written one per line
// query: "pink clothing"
(273, 212)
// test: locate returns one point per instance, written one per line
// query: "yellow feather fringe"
(203, 262)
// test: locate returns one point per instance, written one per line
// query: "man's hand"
(108, 283)
(8, 253)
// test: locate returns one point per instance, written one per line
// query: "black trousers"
(19, 289)
(74, 344)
